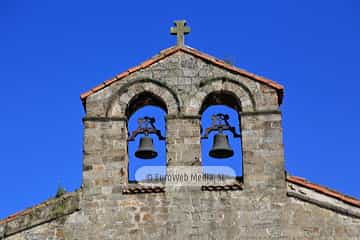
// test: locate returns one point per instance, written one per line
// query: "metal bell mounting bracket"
(146, 126)
(219, 122)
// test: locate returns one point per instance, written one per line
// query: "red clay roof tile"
(304, 183)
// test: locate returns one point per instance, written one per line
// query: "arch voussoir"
(118, 106)
(240, 91)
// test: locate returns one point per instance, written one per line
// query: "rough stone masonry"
(263, 204)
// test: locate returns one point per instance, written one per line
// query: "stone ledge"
(104, 119)
(116, 119)
(161, 189)
(143, 189)
(40, 214)
(184, 116)
(218, 188)
(260, 112)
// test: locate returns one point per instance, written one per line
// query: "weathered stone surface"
(54, 211)
(265, 208)
(310, 221)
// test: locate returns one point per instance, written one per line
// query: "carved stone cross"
(180, 30)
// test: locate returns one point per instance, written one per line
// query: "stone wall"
(312, 215)
(196, 214)
(258, 207)
(309, 221)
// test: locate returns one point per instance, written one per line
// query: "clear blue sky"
(51, 51)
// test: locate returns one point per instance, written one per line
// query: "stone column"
(183, 141)
(183, 145)
(105, 155)
(263, 153)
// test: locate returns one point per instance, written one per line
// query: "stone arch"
(161, 95)
(144, 99)
(222, 97)
(228, 86)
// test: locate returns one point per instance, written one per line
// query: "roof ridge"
(171, 50)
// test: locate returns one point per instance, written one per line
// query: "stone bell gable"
(263, 203)
(181, 78)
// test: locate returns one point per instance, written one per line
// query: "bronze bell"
(221, 147)
(146, 148)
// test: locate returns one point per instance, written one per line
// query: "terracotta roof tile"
(97, 88)
(134, 69)
(324, 190)
(119, 76)
(167, 52)
(85, 95)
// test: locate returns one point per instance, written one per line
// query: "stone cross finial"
(180, 30)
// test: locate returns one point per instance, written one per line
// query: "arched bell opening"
(146, 143)
(144, 99)
(226, 98)
(221, 151)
